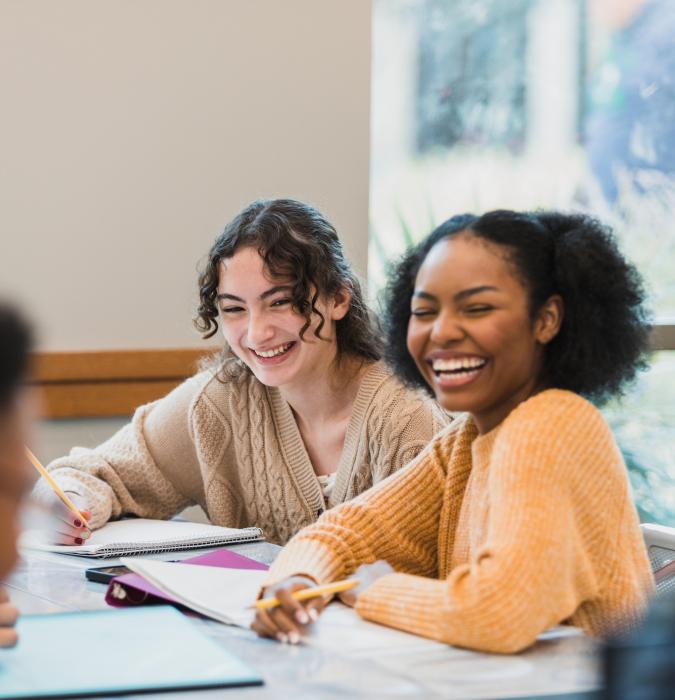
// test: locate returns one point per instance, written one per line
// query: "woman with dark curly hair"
(519, 515)
(15, 475)
(298, 415)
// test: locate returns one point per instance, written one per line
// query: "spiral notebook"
(142, 536)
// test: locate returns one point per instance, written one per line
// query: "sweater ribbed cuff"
(406, 602)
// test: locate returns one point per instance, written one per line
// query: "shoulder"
(556, 412)
(561, 432)
(223, 387)
(228, 378)
(384, 397)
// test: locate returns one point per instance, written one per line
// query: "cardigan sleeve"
(149, 468)
(397, 520)
(534, 569)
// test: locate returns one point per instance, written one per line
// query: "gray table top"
(45, 582)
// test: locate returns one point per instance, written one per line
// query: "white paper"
(225, 595)
(339, 627)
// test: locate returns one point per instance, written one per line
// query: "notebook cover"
(41, 665)
(138, 591)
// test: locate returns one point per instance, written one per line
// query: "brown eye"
(231, 309)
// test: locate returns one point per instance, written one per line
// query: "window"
(569, 104)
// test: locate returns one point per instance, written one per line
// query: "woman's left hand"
(8, 616)
(367, 574)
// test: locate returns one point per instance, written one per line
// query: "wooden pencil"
(307, 593)
(57, 489)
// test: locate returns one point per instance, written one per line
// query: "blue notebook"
(69, 655)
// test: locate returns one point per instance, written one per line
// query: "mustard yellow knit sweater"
(494, 538)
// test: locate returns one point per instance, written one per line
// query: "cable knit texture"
(494, 538)
(234, 448)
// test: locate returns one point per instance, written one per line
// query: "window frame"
(662, 337)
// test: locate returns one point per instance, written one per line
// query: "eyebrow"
(264, 295)
(459, 296)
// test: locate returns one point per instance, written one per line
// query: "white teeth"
(455, 364)
(274, 351)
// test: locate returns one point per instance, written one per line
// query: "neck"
(490, 418)
(330, 397)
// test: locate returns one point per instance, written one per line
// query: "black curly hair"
(296, 241)
(604, 334)
(15, 344)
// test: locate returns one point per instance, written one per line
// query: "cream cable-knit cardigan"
(234, 448)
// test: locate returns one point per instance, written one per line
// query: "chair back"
(660, 541)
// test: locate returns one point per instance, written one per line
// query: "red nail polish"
(77, 522)
(78, 540)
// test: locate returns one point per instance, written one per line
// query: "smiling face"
(263, 330)
(470, 331)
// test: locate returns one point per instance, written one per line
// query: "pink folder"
(132, 589)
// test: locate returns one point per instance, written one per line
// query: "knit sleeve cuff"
(406, 602)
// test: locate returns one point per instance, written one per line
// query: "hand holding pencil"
(69, 508)
(289, 607)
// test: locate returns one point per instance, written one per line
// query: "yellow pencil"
(57, 489)
(307, 593)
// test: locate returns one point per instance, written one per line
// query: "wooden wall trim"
(101, 383)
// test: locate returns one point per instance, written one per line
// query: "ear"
(342, 300)
(549, 319)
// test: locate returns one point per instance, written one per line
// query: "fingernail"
(78, 540)
(313, 615)
(301, 617)
(85, 534)
(77, 522)
(293, 637)
(282, 637)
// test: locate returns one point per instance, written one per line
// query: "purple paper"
(139, 591)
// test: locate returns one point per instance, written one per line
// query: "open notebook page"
(222, 594)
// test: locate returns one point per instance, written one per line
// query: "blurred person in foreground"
(640, 665)
(15, 474)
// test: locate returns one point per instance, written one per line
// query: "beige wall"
(132, 130)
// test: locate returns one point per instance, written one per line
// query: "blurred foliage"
(642, 423)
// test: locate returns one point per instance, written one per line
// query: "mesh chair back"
(660, 543)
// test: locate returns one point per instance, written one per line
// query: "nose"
(259, 330)
(447, 329)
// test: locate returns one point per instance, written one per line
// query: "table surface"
(45, 582)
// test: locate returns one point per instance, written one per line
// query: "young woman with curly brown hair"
(298, 415)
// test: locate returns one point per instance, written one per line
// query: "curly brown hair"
(296, 241)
